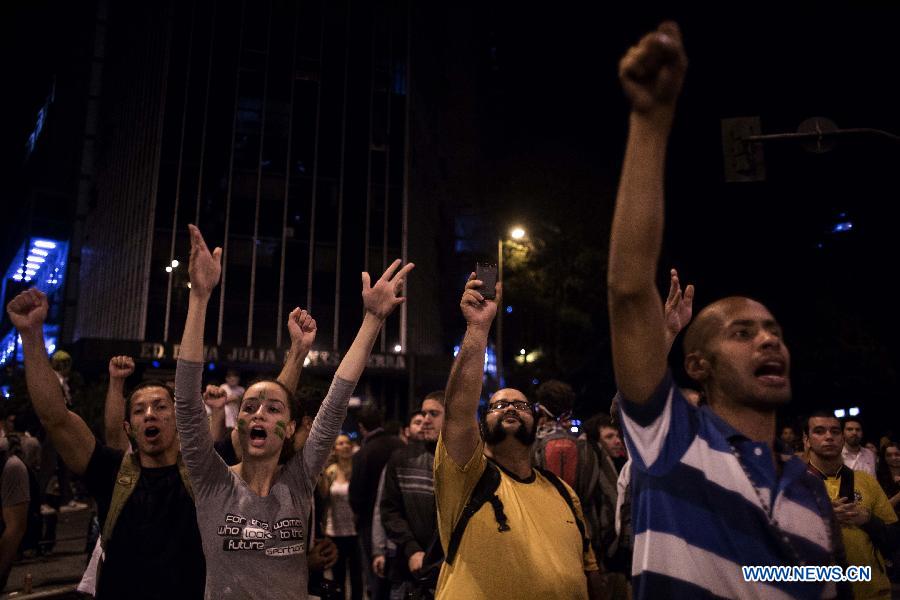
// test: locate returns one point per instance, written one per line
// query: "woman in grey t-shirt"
(253, 516)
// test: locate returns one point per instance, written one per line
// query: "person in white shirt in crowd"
(856, 456)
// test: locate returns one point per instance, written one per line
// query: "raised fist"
(652, 71)
(215, 397)
(28, 310)
(121, 367)
(302, 328)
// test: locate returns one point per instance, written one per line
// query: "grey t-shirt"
(255, 546)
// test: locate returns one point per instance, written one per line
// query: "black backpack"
(34, 522)
(485, 491)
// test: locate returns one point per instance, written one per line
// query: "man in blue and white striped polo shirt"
(712, 491)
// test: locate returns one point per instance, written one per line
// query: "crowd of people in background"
(224, 490)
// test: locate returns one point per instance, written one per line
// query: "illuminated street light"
(517, 233)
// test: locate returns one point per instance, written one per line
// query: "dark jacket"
(368, 463)
(408, 510)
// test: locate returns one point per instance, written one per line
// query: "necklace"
(780, 536)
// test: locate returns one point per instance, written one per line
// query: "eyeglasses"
(516, 404)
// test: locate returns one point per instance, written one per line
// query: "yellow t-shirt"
(857, 544)
(541, 556)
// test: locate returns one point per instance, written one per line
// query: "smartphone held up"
(487, 274)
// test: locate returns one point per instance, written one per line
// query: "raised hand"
(28, 310)
(679, 305)
(381, 299)
(478, 311)
(215, 397)
(121, 367)
(205, 267)
(652, 71)
(302, 328)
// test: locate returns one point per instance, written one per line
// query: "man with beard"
(407, 504)
(860, 505)
(855, 455)
(713, 488)
(507, 530)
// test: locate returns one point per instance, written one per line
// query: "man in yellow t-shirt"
(526, 542)
(869, 508)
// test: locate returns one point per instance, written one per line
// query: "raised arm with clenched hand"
(302, 328)
(71, 436)
(651, 73)
(120, 369)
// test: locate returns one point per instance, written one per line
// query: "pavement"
(54, 576)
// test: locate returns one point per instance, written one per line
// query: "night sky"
(551, 119)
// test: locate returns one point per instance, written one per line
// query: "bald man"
(713, 488)
(525, 538)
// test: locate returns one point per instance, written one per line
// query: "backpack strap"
(484, 491)
(126, 482)
(561, 488)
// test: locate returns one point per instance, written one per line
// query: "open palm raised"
(382, 298)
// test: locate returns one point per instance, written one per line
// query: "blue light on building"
(842, 227)
(41, 263)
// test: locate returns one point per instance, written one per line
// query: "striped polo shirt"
(696, 515)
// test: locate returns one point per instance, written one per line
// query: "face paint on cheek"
(242, 427)
(280, 429)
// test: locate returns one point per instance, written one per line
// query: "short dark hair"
(592, 426)
(148, 383)
(556, 396)
(437, 396)
(822, 414)
(295, 407)
(413, 415)
(370, 417)
(852, 420)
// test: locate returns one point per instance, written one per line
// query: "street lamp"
(516, 233)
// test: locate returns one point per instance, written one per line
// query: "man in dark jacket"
(377, 447)
(407, 504)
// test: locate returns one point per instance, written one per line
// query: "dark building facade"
(282, 129)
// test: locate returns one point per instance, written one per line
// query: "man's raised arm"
(120, 368)
(460, 432)
(71, 436)
(651, 74)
